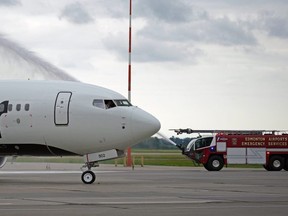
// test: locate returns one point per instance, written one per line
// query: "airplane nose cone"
(144, 125)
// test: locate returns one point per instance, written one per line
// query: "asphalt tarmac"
(56, 189)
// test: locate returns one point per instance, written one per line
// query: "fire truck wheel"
(215, 163)
(266, 168)
(276, 163)
(286, 165)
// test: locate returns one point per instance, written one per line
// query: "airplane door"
(61, 110)
(3, 110)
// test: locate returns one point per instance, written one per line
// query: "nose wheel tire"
(88, 177)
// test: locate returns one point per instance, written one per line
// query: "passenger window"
(10, 106)
(109, 104)
(98, 103)
(27, 106)
(18, 107)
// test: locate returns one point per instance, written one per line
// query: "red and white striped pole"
(129, 157)
(130, 45)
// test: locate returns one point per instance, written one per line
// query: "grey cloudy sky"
(203, 64)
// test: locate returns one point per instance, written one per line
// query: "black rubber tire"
(215, 163)
(206, 167)
(286, 165)
(266, 168)
(276, 163)
(88, 177)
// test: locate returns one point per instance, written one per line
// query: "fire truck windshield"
(199, 143)
(190, 145)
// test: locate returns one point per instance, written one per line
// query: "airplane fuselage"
(44, 118)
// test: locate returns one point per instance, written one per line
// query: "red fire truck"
(269, 148)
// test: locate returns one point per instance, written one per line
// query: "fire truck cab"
(269, 148)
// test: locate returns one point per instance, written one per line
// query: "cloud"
(173, 30)
(169, 11)
(275, 25)
(162, 10)
(221, 31)
(9, 2)
(76, 13)
(169, 35)
(176, 30)
(225, 32)
(150, 50)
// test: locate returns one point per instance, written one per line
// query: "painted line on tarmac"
(161, 202)
(51, 172)
(5, 204)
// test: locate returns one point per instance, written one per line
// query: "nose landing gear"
(92, 159)
(88, 176)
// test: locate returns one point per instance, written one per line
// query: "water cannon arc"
(167, 139)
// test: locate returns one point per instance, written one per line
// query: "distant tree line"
(159, 143)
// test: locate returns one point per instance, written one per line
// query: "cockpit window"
(122, 103)
(98, 103)
(109, 104)
(2, 108)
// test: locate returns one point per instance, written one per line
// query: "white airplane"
(59, 118)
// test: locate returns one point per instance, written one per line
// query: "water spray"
(167, 139)
(19, 63)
